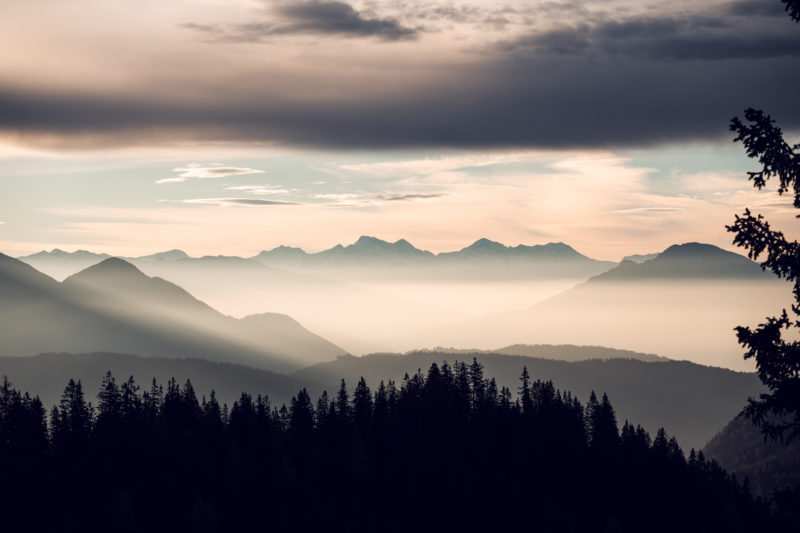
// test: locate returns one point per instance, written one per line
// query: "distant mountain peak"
(113, 266)
(687, 261)
(284, 248)
(61, 254)
(693, 248)
(368, 239)
(485, 245)
(170, 255)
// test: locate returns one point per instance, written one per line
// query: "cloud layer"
(315, 17)
(399, 75)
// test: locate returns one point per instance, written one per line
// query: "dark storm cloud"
(625, 82)
(565, 101)
(662, 39)
(757, 8)
(312, 17)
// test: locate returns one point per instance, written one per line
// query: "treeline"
(443, 451)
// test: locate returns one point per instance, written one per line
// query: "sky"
(233, 126)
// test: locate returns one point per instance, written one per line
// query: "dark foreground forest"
(446, 451)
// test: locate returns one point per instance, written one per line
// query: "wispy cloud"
(234, 202)
(407, 197)
(637, 210)
(196, 171)
(415, 167)
(261, 189)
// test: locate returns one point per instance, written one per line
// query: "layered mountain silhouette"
(684, 303)
(639, 258)
(691, 401)
(59, 264)
(483, 259)
(686, 262)
(113, 306)
(571, 352)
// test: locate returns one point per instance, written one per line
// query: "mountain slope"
(691, 401)
(686, 261)
(112, 306)
(570, 352)
(740, 448)
(60, 264)
(683, 304)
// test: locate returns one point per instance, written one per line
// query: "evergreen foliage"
(772, 344)
(445, 450)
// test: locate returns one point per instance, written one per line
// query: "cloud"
(638, 210)
(315, 17)
(407, 197)
(413, 167)
(758, 8)
(233, 202)
(663, 39)
(195, 171)
(261, 189)
(610, 81)
(370, 200)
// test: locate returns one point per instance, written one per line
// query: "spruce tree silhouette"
(777, 359)
(421, 456)
(793, 9)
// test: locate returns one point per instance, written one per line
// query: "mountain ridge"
(113, 306)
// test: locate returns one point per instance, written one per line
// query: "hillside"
(44, 375)
(691, 401)
(685, 262)
(112, 306)
(683, 304)
(570, 352)
(740, 448)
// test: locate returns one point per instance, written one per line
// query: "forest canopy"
(442, 450)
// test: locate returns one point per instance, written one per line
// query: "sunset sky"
(232, 126)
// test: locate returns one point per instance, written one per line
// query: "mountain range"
(113, 306)
(481, 259)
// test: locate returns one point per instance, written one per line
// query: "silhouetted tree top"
(425, 453)
(777, 360)
(793, 9)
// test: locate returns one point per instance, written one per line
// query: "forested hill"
(43, 375)
(691, 401)
(768, 465)
(443, 451)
